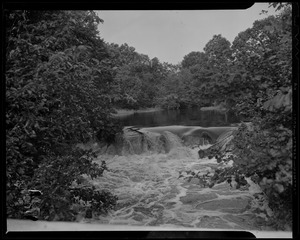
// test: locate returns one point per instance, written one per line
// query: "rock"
(233, 205)
(201, 154)
(223, 144)
(243, 181)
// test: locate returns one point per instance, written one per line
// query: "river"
(152, 193)
(156, 186)
(185, 117)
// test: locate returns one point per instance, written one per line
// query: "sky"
(169, 35)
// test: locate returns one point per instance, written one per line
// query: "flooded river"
(159, 188)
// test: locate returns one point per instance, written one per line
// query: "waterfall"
(191, 140)
(141, 141)
(170, 141)
(160, 180)
(149, 142)
(138, 142)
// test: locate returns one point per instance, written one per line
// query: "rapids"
(150, 175)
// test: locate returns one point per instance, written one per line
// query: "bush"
(170, 101)
(59, 179)
(266, 147)
(268, 153)
(57, 94)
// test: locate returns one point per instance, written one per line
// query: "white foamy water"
(148, 185)
(151, 193)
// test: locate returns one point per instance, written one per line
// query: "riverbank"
(126, 112)
(218, 108)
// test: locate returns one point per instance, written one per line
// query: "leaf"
(277, 101)
(73, 21)
(268, 106)
(82, 47)
(279, 187)
(287, 101)
(257, 78)
(269, 29)
(20, 171)
(274, 153)
(272, 58)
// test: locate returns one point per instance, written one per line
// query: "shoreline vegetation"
(126, 112)
(220, 108)
(214, 108)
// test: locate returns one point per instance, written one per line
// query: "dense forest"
(63, 82)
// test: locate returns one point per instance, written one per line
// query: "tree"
(193, 58)
(211, 70)
(137, 77)
(266, 149)
(128, 88)
(218, 52)
(57, 82)
(255, 72)
(121, 55)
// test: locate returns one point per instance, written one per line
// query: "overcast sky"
(170, 35)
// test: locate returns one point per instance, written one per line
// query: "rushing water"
(154, 188)
(186, 117)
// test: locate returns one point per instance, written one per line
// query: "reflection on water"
(185, 117)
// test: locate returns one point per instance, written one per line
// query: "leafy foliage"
(60, 178)
(137, 78)
(253, 76)
(266, 149)
(268, 154)
(218, 52)
(169, 102)
(192, 59)
(57, 94)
